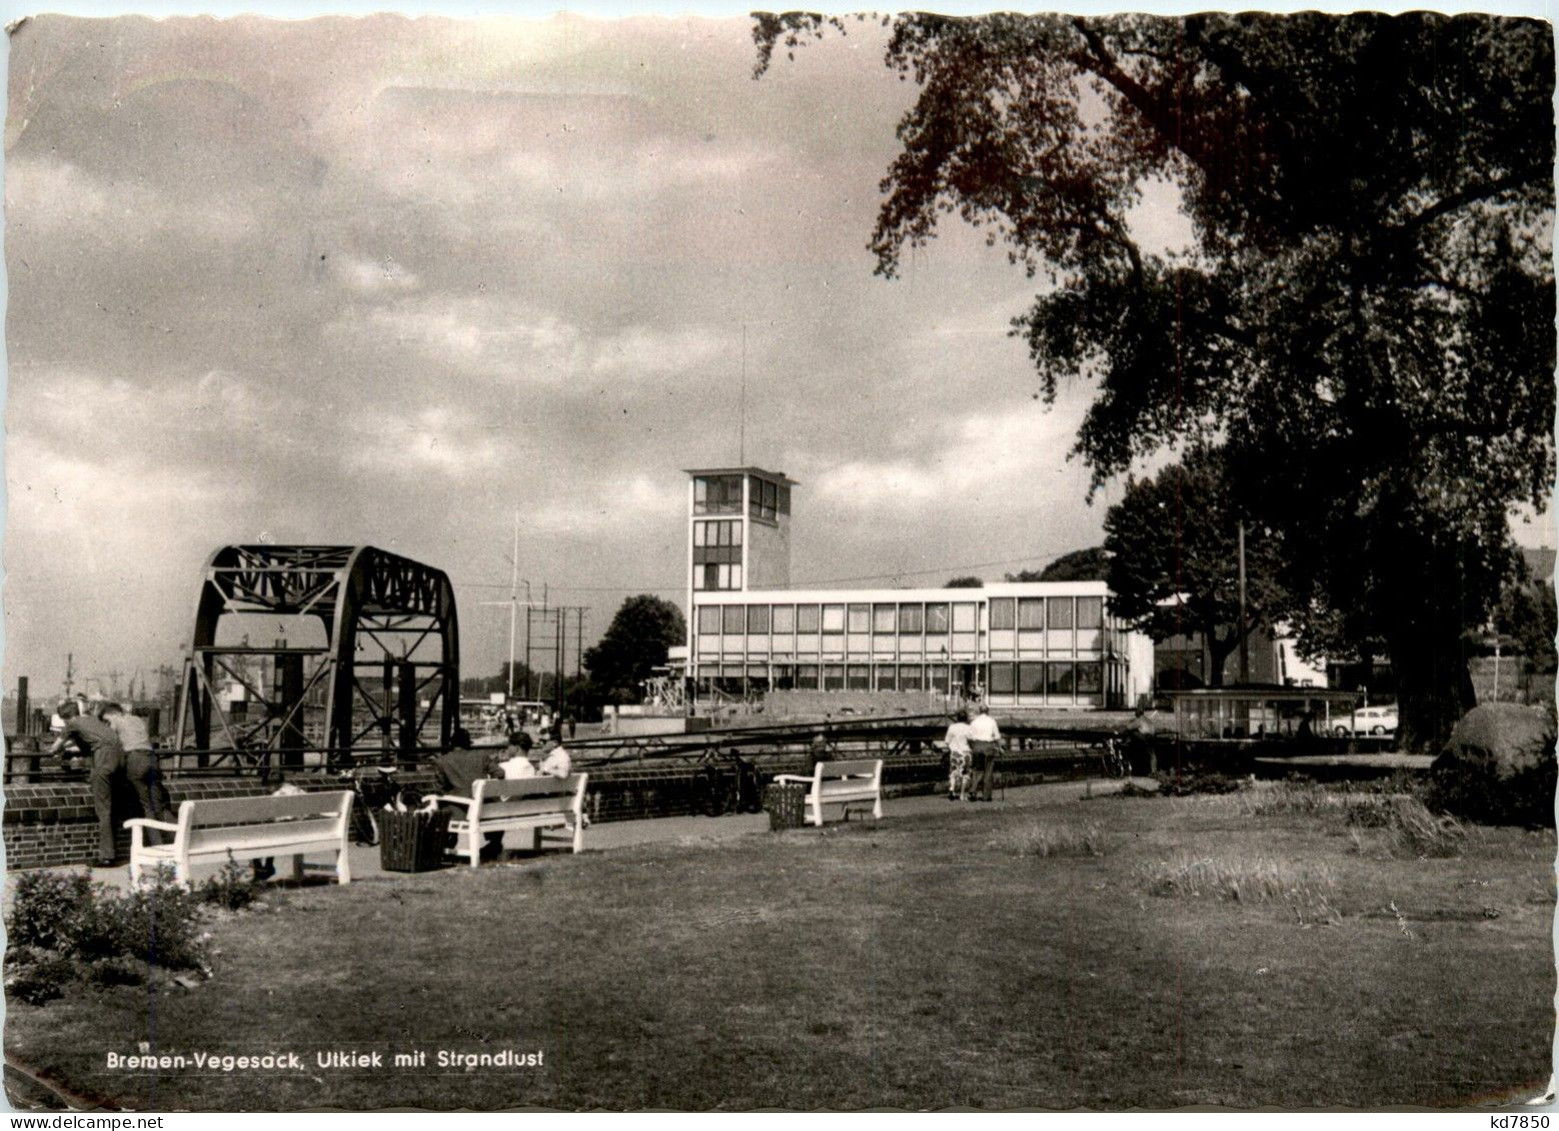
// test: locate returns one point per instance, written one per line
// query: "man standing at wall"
(984, 744)
(96, 739)
(141, 766)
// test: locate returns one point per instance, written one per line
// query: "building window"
(833, 677)
(735, 620)
(763, 498)
(911, 677)
(887, 677)
(806, 618)
(1031, 679)
(1002, 679)
(708, 620)
(1060, 612)
(859, 677)
(936, 620)
(784, 620)
(1031, 612)
(1060, 679)
(833, 619)
(1090, 679)
(717, 542)
(1001, 613)
(757, 618)
(1090, 612)
(966, 617)
(806, 677)
(911, 619)
(938, 677)
(860, 618)
(717, 494)
(885, 618)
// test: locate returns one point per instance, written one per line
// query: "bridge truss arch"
(385, 682)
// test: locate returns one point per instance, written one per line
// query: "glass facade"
(1040, 651)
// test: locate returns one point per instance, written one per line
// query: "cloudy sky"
(390, 281)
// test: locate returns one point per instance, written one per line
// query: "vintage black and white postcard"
(779, 561)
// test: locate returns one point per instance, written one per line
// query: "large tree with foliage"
(1091, 564)
(633, 644)
(1365, 317)
(1174, 559)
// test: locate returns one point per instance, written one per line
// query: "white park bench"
(247, 827)
(500, 805)
(840, 783)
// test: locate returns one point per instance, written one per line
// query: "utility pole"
(70, 673)
(513, 603)
(1244, 630)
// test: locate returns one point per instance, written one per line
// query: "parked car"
(1367, 720)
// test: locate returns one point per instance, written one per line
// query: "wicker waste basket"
(786, 803)
(412, 842)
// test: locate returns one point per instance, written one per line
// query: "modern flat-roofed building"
(1022, 644)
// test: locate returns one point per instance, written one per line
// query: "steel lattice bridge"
(385, 682)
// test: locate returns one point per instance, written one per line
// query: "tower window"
(763, 498)
(717, 494)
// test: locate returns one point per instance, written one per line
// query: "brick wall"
(54, 825)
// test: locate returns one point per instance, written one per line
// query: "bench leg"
(579, 833)
(343, 867)
(135, 870)
(297, 870)
(817, 810)
(877, 808)
(474, 844)
(535, 839)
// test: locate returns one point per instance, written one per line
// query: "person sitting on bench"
(457, 773)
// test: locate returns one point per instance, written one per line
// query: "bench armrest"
(456, 800)
(148, 823)
(804, 779)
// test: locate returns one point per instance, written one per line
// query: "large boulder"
(1498, 766)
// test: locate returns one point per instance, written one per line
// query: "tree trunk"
(1217, 654)
(1434, 686)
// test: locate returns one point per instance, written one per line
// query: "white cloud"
(51, 196)
(611, 505)
(985, 458)
(477, 334)
(643, 351)
(375, 276)
(438, 439)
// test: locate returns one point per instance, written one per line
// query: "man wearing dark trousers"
(141, 767)
(984, 744)
(96, 739)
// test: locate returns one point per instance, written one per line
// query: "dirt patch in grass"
(924, 962)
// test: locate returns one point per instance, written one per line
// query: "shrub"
(1045, 840)
(37, 976)
(233, 888)
(1409, 825)
(1192, 782)
(65, 929)
(118, 971)
(158, 923)
(1304, 889)
(50, 910)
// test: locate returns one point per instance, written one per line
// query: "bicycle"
(1113, 759)
(724, 792)
(375, 790)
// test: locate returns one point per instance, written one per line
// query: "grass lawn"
(1045, 953)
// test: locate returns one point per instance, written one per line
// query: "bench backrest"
(251, 820)
(859, 768)
(494, 798)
